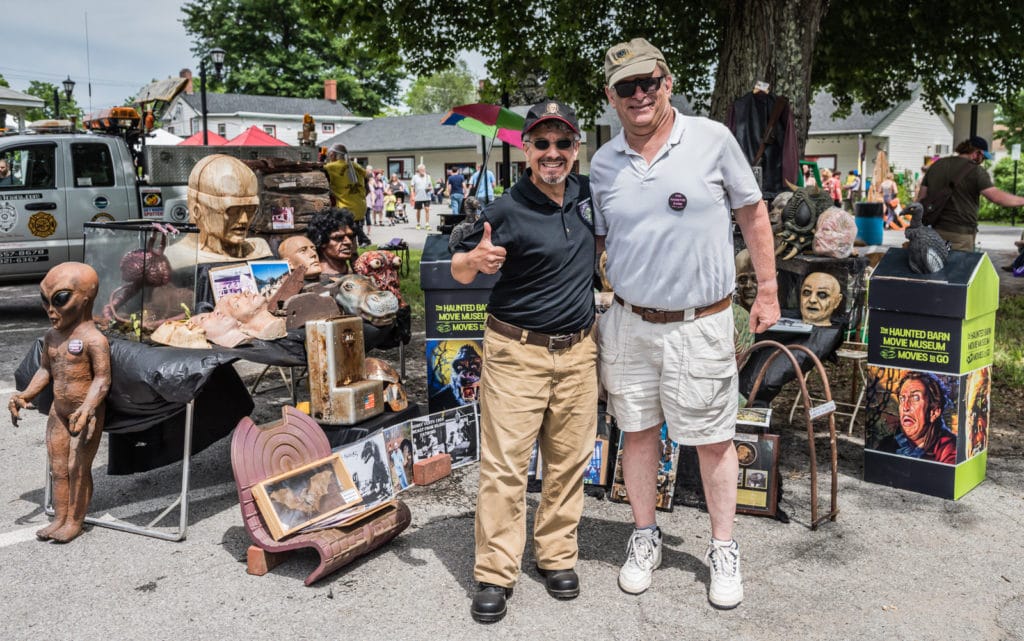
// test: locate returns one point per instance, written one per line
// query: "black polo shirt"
(546, 283)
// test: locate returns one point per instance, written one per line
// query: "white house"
(907, 132)
(230, 114)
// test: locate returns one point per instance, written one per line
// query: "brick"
(432, 469)
(259, 561)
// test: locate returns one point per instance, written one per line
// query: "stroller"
(400, 215)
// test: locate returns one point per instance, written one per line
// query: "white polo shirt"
(667, 224)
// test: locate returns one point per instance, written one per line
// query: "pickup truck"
(59, 181)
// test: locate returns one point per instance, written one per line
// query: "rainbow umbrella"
(490, 121)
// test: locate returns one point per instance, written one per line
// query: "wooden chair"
(261, 451)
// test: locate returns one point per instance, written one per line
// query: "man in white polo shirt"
(663, 191)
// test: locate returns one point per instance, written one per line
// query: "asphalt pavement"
(893, 565)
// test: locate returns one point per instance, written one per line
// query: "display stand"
(811, 414)
(149, 529)
(259, 452)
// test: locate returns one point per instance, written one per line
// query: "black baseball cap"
(551, 110)
(981, 145)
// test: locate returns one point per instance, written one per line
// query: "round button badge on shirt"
(677, 201)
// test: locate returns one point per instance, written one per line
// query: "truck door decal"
(42, 224)
(8, 218)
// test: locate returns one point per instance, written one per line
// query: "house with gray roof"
(230, 114)
(400, 143)
(908, 133)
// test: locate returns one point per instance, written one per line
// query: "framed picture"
(232, 279)
(454, 431)
(295, 499)
(758, 479)
(667, 467)
(269, 274)
(757, 416)
(366, 461)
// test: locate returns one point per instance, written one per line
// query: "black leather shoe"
(561, 584)
(489, 603)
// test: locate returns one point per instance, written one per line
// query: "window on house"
(170, 130)
(194, 124)
(401, 165)
(327, 127)
(270, 129)
(222, 129)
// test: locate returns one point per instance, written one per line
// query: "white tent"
(162, 137)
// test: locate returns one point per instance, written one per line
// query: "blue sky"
(129, 44)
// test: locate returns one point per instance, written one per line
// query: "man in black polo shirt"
(539, 376)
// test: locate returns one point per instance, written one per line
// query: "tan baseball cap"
(633, 58)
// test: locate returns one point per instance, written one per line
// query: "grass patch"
(1009, 347)
(409, 284)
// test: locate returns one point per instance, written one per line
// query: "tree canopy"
(275, 49)
(872, 52)
(441, 91)
(68, 108)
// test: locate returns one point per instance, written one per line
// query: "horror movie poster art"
(453, 372)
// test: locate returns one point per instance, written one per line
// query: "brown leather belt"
(665, 316)
(550, 341)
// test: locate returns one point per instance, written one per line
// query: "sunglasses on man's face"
(542, 144)
(339, 238)
(627, 88)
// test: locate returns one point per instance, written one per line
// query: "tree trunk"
(773, 41)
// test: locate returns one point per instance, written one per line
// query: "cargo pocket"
(708, 384)
(610, 357)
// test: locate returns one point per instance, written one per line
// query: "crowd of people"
(668, 186)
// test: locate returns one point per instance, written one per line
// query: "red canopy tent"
(255, 137)
(197, 139)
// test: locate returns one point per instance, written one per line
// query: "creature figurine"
(927, 251)
(76, 359)
(382, 268)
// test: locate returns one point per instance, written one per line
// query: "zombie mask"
(68, 292)
(220, 329)
(819, 298)
(382, 268)
(746, 280)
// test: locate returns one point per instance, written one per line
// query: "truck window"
(92, 165)
(31, 166)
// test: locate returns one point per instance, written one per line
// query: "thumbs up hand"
(488, 257)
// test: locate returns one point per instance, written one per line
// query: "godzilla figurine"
(926, 250)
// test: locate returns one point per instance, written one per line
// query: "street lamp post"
(69, 86)
(217, 56)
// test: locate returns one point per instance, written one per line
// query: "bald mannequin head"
(300, 251)
(820, 296)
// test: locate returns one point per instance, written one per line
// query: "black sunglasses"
(627, 88)
(542, 144)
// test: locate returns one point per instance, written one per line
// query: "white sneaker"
(643, 556)
(726, 590)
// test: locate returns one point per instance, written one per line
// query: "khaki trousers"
(959, 242)
(528, 393)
